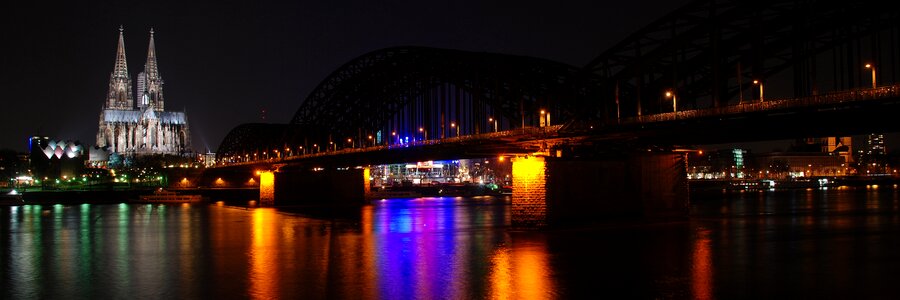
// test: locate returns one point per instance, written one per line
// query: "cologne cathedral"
(143, 127)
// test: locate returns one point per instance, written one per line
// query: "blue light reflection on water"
(411, 250)
(814, 243)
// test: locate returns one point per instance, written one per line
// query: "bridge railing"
(519, 133)
(884, 92)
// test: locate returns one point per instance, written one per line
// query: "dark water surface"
(810, 244)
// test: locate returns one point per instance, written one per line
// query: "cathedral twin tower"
(143, 127)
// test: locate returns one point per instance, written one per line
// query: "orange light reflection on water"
(263, 261)
(702, 271)
(521, 273)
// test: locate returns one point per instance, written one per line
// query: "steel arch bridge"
(707, 54)
(416, 92)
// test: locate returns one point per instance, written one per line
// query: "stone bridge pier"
(552, 191)
(287, 187)
(546, 190)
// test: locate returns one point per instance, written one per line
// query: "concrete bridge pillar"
(548, 191)
(266, 188)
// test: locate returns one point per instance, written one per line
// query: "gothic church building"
(143, 127)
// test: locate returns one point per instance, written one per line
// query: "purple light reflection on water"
(839, 243)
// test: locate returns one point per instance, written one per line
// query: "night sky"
(226, 63)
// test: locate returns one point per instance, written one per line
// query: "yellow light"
(701, 152)
(543, 112)
(349, 140)
(756, 82)
(668, 94)
(500, 158)
(529, 181)
(868, 66)
(421, 129)
(267, 187)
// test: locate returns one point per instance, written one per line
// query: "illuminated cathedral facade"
(140, 127)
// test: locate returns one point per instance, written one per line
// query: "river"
(839, 243)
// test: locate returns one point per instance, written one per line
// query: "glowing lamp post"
(424, 133)
(670, 94)
(371, 140)
(492, 120)
(394, 133)
(453, 125)
(545, 118)
(761, 95)
(874, 83)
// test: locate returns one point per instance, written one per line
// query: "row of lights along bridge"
(397, 140)
(671, 93)
(545, 120)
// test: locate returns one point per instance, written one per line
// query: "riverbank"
(119, 196)
(794, 183)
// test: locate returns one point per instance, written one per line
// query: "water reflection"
(262, 255)
(834, 243)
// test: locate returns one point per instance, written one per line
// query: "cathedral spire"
(150, 67)
(119, 96)
(121, 68)
(149, 82)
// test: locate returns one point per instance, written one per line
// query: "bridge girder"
(371, 89)
(697, 50)
(708, 52)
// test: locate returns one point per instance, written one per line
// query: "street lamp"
(871, 66)
(372, 140)
(491, 119)
(394, 133)
(670, 94)
(424, 132)
(453, 125)
(350, 141)
(545, 118)
(758, 82)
